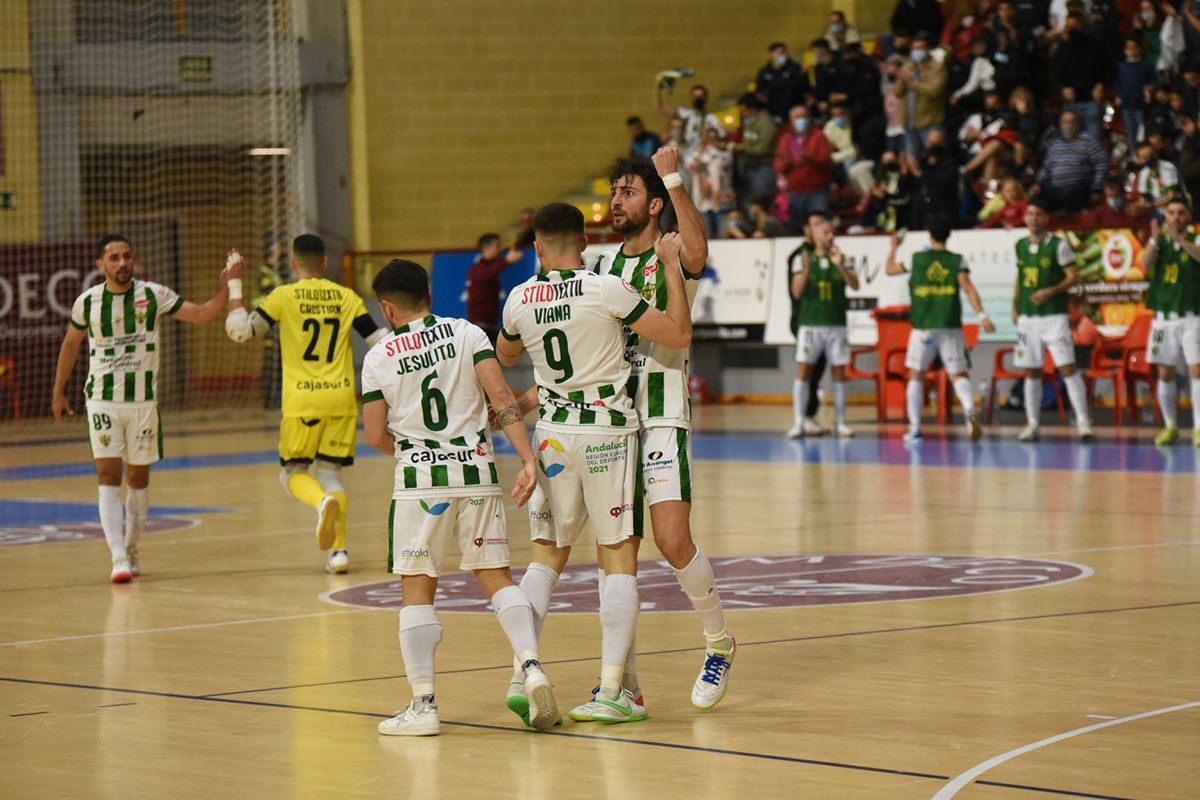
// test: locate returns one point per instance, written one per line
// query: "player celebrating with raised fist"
(122, 318)
(1046, 270)
(320, 410)
(1172, 260)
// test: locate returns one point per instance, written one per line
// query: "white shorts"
(125, 430)
(812, 340)
(945, 342)
(1035, 334)
(420, 532)
(1171, 338)
(666, 465)
(584, 477)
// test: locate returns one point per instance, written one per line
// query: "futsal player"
(1172, 259)
(320, 408)
(122, 318)
(572, 322)
(938, 277)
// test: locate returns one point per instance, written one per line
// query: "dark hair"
(939, 227)
(403, 282)
(763, 201)
(487, 239)
(640, 168)
(1038, 202)
(1115, 182)
(701, 87)
(1076, 14)
(103, 244)
(776, 46)
(634, 120)
(749, 100)
(841, 14)
(558, 219)
(1135, 40)
(1181, 201)
(308, 245)
(821, 44)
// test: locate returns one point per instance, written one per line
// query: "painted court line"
(197, 626)
(955, 786)
(570, 735)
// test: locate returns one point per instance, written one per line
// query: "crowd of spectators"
(964, 108)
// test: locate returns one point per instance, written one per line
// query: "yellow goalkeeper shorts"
(328, 439)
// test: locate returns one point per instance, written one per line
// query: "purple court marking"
(762, 582)
(81, 531)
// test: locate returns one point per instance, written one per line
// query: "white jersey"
(660, 374)
(437, 409)
(572, 322)
(122, 331)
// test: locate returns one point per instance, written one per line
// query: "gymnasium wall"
(19, 171)
(464, 111)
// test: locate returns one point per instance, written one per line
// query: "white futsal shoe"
(338, 563)
(1029, 433)
(713, 680)
(542, 710)
(593, 710)
(135, 568)
(121, 571)
(418, 718)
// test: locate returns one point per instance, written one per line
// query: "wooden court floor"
(222, 673)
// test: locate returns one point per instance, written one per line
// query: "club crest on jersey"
(648, 292)
(105, 440)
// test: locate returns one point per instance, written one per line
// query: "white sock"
(1078, 394)
(112, 519)
(629, 678)
(137, 506)
(516, 618)
(700, 586)
(1195, 384)
(962, 388)
(538, 584)
(1033, 399)
(839, 402)
(799, 399)
(420, 633)
(618, 619)
(1168, 401)
(914, 394)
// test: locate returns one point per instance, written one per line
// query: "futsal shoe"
(973, 427)
(121, 571)
(327, 514)
(795, 432)
(913, 436)
(814, 428)
(713, 680)
(844, 431)
(418, 718)
(625, 708)
(1029, 433)
(587, 711)
(1086, 434)
(516, 700)
(135, 569)
(539, 693)
(1166, 436)
(338, 563)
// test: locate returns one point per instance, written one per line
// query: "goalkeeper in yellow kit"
(320, 407)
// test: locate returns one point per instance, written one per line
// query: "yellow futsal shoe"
(1166, 436)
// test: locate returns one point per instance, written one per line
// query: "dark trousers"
(815, 373)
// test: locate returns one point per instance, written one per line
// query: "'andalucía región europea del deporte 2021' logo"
(553, 467)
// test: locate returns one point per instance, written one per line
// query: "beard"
(631, 225)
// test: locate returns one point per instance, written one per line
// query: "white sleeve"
(508, 326)
(622, 300)
(77, 320)
(376, 337)
(1066, 256)
(370, 384)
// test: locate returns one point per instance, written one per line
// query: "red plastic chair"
(1108, 364)
(8, 379)
(1001, 373)
(889, 390)
(1138, 369)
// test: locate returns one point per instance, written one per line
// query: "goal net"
(173, 122)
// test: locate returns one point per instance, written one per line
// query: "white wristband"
(235, 288)
(672, 180)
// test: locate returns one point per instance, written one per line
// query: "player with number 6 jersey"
(573, 323)
(123, 317)
(424, 402)
(320, 409)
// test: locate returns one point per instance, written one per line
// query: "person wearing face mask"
(890, 201)
(848, 166)
(921, 87)
(1135, 79)
(781, 83)
(1115, 211)
(802, 159)
(1073, 169)
(937, 182)
(824, 75)
(696, 117)
(1079, 70)
(840, 32)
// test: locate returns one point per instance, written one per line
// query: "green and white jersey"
(1174, 280)
(437, 409)
(659, 380)
(824, 300)
(571, 322)
(933, 288)
(122, 334)
(1039, 266)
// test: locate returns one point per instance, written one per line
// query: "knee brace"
(329, 475)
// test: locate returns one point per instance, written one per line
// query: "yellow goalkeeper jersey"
(315, 317)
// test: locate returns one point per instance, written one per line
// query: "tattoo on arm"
(507, 416)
